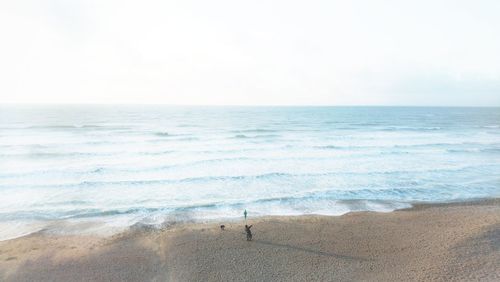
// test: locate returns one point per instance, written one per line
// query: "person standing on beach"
(249, 232)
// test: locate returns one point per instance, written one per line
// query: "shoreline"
(443, 241)
(99, 228)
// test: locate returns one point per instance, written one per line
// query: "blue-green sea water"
(116, 166)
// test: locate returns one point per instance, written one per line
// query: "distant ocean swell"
(37, 150)
(56, 172)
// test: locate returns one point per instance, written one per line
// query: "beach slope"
(459, 242)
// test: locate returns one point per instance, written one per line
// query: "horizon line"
(242, 105)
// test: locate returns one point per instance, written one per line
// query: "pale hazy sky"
(323, 52)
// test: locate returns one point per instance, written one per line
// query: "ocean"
(96, 168)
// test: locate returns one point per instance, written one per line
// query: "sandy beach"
(457, 242)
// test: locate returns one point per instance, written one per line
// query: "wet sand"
(442, 242)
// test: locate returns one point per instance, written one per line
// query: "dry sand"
(457, 242)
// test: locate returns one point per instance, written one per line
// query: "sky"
(318, 52)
